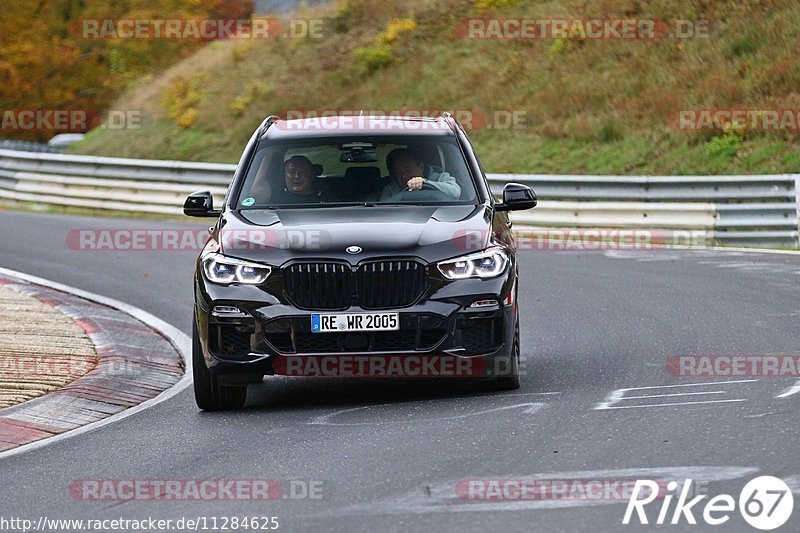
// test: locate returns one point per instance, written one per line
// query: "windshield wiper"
(315, 205)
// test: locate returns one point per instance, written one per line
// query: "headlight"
(487, 264)
(221, 269)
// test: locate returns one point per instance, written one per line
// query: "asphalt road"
(390, 455)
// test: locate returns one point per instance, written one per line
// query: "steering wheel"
(426, 186)
(426, 194)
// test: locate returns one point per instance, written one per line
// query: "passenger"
(409, 173)
(300, 183)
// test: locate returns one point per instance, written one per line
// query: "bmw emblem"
(353, 250)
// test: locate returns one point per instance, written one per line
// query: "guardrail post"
(797, 196)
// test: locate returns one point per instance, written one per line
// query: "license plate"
(323, 323)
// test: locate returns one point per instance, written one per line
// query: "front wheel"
(208, 393)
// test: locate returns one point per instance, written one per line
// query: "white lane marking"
(794, 389)
(442, 496)
(653, 258)
(613, 397)
(673, 394)
(326, 420)
(617, 396)
(671, 404)
(181, 341)
(693, 384)
(736, 265)
(764, 269)
(794, 483)
(733, 250)
(495, 395)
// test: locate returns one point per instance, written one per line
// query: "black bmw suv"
(356, 245)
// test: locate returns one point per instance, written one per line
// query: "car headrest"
(428, 153)
(362, 174)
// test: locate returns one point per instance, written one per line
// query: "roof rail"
(266, 123)
(451, 121)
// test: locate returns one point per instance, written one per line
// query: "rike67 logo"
(765, 503)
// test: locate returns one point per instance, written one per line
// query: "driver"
(410, 173)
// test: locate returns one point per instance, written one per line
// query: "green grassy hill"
(590, 106)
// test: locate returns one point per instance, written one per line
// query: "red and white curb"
(142, 361)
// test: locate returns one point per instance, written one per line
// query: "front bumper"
(245, 345)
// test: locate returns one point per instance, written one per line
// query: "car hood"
(428, 232)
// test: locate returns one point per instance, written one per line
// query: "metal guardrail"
(761, 210)
(742, 210)
(108, 183)
(28, 146)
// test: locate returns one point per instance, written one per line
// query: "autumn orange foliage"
(46, 63)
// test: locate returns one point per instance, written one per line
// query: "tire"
(208, 393)
(505, 382)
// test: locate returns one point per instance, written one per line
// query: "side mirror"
(516, 197)
(200, 204)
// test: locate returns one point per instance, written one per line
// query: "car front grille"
(320, 285)
(385, 284)
(374, 285)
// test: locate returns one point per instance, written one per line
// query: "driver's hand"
(415, 184)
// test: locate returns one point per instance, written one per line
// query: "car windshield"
(357, 171)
